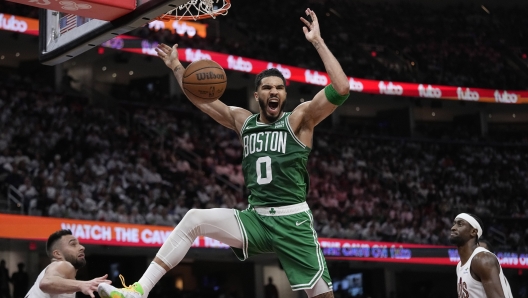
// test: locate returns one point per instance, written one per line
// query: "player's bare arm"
(59, 278)
(307, 115)
(487, 269)
(230, 117)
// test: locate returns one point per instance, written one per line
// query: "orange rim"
(214, 14)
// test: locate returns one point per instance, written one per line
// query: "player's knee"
(193, 217)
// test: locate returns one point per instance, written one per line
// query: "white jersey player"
(57, 280)
(479, 274)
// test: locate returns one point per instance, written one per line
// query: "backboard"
(64, 36)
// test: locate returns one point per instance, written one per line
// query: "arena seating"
(458, 45)
(69, 159)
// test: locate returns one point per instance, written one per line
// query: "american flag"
(67, 23)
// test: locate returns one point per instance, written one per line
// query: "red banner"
(119, 234)
(314, 77)
(91, 232)
(357, 250)
(297, 74)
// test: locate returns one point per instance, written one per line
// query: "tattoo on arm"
(177, 68)
(317, 45)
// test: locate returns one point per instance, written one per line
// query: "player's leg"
(219, 223)
(320, 290)
(301, 257)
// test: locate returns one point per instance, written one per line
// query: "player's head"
(466, 226)
(271, 72)
(270, 92)
(62, 245)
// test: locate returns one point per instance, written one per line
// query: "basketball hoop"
(196, 10)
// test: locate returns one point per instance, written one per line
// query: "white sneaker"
(109, 291)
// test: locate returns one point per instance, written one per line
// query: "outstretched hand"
(311, 30)
(168, 55)
(90, 286)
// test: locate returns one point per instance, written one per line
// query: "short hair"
(271, 72)
(480, 223)
(53, 238)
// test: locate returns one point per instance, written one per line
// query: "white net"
(198, 9)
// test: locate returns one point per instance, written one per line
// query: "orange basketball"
(204, 79)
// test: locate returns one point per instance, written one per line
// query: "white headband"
(472, 221)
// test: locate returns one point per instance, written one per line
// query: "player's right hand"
(168, 55)
(90, 286)
(311, 29)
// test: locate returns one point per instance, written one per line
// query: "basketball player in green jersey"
(276, 145)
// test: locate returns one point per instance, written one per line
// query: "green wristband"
(333, 96)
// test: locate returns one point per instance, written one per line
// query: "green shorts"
(287, 231)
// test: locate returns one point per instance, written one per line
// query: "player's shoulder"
(484, 255)
(239, 112)
(484, 260)
(239, 116)
(61, 264)
(60, 267)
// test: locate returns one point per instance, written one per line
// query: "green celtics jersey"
(274, 163)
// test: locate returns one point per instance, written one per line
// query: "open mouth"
(273, 105)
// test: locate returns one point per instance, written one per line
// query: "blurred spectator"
(20, 280)
(58, 209)
(5, 292)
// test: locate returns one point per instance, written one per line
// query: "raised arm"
(230, 117)
(307, 115)
(486, 267)
(59, 278)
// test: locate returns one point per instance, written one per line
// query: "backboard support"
(64, 36)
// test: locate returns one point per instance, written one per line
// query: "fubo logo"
(505, 97)
(355, 85)
(429, 91)
(467, 94)
(315, 78)
(182, 28)
(191, 55)
(156, 25)
(390, 88)
(239, 64)
(148, 48)
(12, 24)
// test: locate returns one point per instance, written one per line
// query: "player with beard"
(276, 145)
(479, 274)
(57, 280)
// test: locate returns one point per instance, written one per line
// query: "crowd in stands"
(68, 159)
(460, 45)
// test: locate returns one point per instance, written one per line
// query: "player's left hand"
(169, 55)
(311, 30)
(90, 286)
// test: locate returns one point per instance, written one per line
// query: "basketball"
(204, 80)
